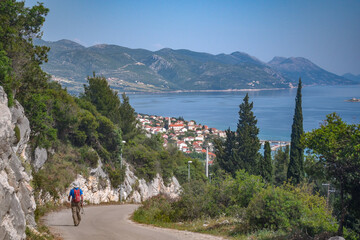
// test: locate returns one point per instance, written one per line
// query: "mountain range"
(352, 77)
(140, 70)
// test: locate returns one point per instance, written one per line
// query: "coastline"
(210, 91)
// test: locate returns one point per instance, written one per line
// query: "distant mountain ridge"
(311, 74)
(352, 77)
(133, 70)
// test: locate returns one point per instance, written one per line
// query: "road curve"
(112, 222)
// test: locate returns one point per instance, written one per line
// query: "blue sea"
(274, 109)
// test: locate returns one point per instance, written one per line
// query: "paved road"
(112, 222)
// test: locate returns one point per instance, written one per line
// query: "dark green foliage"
(128, 119)
(41, 122)
(241, 149)
(5, 79)
(296, 165)
(226, 154)
(336, 146)
(247, 131)
(19, 25)
(265, 165)
(281, 162)
(105, 100)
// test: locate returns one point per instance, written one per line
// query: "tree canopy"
(337, 147)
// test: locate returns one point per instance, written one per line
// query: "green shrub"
(245, 187)
(274, 208)
(156, 209)
(116, 175)
(290, 209)
(17, 134)
(89, 156)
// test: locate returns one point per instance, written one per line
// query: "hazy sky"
(325, 31)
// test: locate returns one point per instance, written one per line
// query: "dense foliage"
(241, 148)
(265, 164)
(291, 211)
(336, 146)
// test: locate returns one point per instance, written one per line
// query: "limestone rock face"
(40, 158)
(17, 204)
(97, 188)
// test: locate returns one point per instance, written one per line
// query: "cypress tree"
(296, 168)
(265, 166)
(248, 141)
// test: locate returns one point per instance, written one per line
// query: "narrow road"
(112, 222)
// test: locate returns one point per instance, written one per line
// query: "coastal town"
(189, 136)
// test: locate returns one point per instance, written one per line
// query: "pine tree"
(265, 165)
(296, 168)
(225, 154)
(106, 100)
(128, 119)
(248, 141)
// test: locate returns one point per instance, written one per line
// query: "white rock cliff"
(17, 204)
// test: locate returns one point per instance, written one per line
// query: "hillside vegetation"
(168, 70)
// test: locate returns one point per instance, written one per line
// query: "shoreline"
(210, 91)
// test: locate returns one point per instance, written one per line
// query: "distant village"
(188, 136)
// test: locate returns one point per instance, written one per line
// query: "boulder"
(40, 158)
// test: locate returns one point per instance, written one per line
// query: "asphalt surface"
(112, 222)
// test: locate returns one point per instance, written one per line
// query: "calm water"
(274, 109)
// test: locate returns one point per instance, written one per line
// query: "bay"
(274, 109)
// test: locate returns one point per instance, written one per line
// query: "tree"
(281, 162)
(265, 165)
(296, 165)
(106, 100)
(128, 119)
(226, 155)
(337, 146)
(247, 139)
(19, 25)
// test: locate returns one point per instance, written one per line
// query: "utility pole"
(121, 164)
(189, 170)
(328, 192)
(207, 163)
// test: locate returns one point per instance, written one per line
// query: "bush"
(290, 209)
(89, 156)
(155, 210)
(116, 175)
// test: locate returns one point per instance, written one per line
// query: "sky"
(327, 32)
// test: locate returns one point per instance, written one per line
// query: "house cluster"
(188, 136)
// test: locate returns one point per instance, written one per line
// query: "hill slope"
(311, 74)
(168, 70)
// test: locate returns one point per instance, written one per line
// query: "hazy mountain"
(311, 74)
(352, 77)
(167, 69)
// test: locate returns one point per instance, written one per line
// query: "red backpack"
(77, 195)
